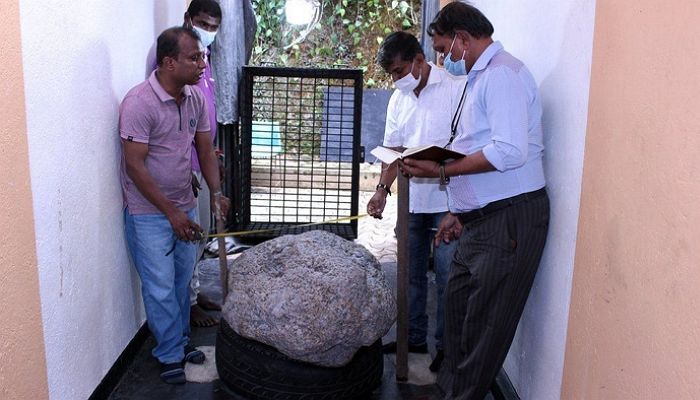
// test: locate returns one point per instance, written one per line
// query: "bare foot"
(206, 303)
(200, 318)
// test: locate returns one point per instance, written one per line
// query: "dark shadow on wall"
(104, 184)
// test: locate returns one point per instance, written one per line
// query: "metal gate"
(296, 158)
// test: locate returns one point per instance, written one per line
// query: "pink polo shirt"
(148, 114)
(206, 84)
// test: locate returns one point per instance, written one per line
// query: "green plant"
(348, 34)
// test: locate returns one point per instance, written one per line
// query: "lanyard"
(457, 116)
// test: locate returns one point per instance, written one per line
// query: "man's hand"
(134, 156)
(419, 168)
(222, 167)
(220, 204)
(184, 228)
(450, 229)
(376, 204)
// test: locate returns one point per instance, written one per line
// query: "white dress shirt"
(502, 116)
(416, 121)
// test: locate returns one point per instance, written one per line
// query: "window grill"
(297, 155)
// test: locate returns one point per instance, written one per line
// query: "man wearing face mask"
(204, 17)
(499, 207)
(418, 113)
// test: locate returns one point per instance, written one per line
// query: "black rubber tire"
(260, 372)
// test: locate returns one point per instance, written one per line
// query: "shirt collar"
(160, 92)
(486, 56)
(433, 76)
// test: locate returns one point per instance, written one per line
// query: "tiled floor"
(141, 381)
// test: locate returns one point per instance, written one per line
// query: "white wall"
(80, 58)
(554, 38)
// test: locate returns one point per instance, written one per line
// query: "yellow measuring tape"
(243, 233)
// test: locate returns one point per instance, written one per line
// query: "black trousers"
(490, 279)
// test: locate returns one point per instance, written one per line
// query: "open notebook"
(429, 152)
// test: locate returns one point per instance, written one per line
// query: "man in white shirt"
(499, 208)
(419, 113)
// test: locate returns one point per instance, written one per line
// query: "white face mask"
(408, 82)
(206, 37)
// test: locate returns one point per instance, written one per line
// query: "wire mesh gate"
(298, 152)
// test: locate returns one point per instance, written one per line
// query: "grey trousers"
(491, 275)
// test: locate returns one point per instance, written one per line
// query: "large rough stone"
(315, 297)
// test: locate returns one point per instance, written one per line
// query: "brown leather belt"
(498, 205)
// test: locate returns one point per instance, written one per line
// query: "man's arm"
(375, 206)
(506, 104)
(392, 134)
(135, 156)
(471, 164)
(507, 114)
(210, 171)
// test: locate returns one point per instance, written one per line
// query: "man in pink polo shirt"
(159, 119)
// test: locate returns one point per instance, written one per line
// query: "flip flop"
(193, 355)
(173, 373)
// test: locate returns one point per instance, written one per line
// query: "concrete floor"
(141, 381)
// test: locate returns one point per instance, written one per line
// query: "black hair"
(209, 7)
(168, 42)
(458, 16)
(398, 44)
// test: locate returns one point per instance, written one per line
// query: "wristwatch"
(444, 180)
(383, 186)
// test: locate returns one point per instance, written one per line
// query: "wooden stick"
(402, 280)
(223, 263)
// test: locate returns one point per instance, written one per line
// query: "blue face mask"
(458, 67)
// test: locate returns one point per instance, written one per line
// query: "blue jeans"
(421, 231)
(165, 280)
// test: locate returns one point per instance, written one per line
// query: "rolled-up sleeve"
(506, 102)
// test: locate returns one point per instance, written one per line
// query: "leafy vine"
(348, 34)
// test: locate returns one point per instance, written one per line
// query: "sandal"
(172, 373)
(193, 355)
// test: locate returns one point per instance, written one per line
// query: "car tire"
(258, 371)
